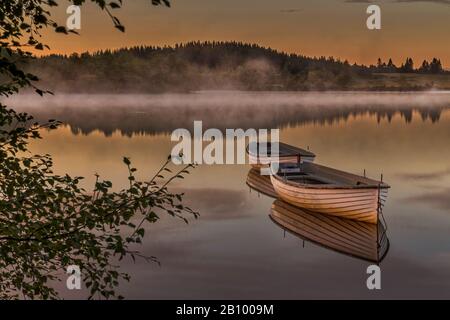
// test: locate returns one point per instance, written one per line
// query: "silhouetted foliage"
(408, 66)
(432, 67)
(201, 66)
(435, 66)
(48, 221)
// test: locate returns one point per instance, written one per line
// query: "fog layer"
(162, 113)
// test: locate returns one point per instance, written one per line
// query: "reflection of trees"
(433, 115)
(155, 119)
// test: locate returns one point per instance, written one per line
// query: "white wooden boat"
(260, 183)
(326, 190)
(286, 154)
(362, 240)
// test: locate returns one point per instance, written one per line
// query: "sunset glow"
(313, 28)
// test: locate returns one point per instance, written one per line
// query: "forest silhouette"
(225, 65)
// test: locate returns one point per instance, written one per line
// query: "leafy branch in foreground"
(21, 25)
(47, 221)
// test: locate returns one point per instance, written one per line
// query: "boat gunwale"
(296, 151)
(382, 185)
(327, 171)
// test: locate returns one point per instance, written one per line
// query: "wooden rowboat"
(286, 154)
(362, 240)
(260, 183)
(326, 190)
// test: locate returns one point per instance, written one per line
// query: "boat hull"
(286, 154)
(357, 204)
(264, 162)
(260, 183)
(358, 239)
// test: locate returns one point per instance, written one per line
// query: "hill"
(224, 65)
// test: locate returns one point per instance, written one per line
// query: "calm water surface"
(234, 250)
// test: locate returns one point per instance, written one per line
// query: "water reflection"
(358, 239)
(439, 198)
(366, 241)
(234, 250)
(260, 183)
(156, 114)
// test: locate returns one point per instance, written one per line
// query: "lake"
(234, 250)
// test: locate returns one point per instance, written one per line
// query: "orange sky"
(419, 29)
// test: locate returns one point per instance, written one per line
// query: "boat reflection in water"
(363, 240)
(260, 183)
(359, 239)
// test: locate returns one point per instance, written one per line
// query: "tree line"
(212, 65)
(434, 66)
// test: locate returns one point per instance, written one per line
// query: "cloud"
(291, 10)
(439, 199)
(425, 175)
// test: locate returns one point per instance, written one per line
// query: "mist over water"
(163, 113)
(234, 250)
